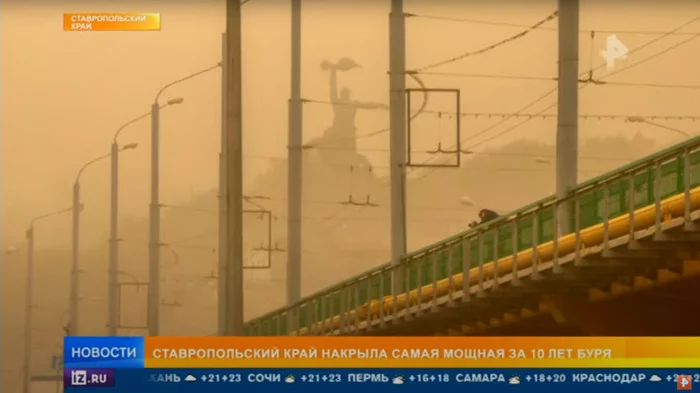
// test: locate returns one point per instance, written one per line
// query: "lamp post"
(74, 280)
(154, 210)
(113, 221)
(29, 295)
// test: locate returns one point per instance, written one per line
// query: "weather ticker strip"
(417, 380)
(111, 22)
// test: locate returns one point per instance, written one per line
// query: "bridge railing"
(631, 198)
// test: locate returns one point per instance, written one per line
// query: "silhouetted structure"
(340, 139)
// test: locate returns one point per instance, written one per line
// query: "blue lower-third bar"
(380, 380)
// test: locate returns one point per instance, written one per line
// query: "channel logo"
(88, 377)
(684, 382)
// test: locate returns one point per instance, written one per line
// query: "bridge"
(633, 239)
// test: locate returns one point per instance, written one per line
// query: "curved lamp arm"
(128, 146)
(173, 101)
(184, 79)
(33, 220)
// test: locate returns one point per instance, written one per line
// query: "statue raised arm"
(343, 130)
(326, 65)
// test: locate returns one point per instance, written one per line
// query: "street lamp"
(113, 220)
(640, 119)
(154, 210)
(29, 288)
(73, 299)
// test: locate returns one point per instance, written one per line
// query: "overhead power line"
(490, 76)
(510, 129)
(554, 79)
(583, 74)
(537, 100)
(586, 82)
(471, 152)
(492, 46)
(519, 111)
(657, 85)
(524, 26)
(540, 115)
(591, 116)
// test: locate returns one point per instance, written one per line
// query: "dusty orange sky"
(65, 93)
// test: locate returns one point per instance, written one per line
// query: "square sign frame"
(458, 117)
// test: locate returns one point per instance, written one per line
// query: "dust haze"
(65, 94)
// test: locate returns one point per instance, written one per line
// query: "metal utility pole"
(28, 312)
(74, 271)
(154, 208)
(223, 246)
(234, 171)
(154, 226)
(397, 113)
(112, 323)
(113, 286)
(76, 208)
(26, 382)
(113, 234)
(294, 169)
(567, 126)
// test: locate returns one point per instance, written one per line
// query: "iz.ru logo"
(78, 377)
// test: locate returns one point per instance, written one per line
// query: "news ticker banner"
(379, 352)
(380, 380)
(111, 22)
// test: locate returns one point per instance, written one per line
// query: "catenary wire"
(598, 116)
(650, 42)
(675, 46)
(524, 26)
(491, 47)
(554, 79)
(583, 74)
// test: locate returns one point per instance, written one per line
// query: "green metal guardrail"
(496, 239)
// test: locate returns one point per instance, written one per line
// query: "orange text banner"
(111, 22)
(425, 352)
